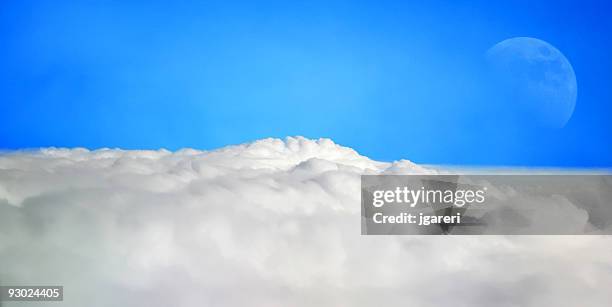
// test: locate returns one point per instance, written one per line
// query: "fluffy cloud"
(270, 223)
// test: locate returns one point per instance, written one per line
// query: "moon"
(537, 77)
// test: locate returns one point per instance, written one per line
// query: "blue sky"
(390, 79)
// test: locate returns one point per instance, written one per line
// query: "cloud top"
(269, 223)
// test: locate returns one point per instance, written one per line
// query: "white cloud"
(271, 223)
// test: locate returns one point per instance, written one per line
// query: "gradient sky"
(390, 79)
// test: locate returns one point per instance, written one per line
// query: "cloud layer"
(270, 223)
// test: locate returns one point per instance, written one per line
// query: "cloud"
(270, 223)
